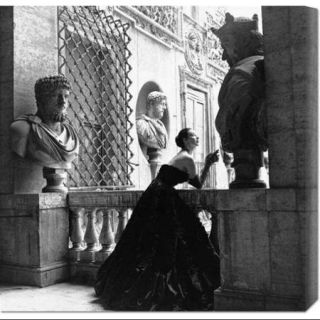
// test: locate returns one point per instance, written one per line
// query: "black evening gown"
(164, 260)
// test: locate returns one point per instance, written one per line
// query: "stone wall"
(261, 251)
(28, 52)
(269, 254)
(158, 57)
(6, 97)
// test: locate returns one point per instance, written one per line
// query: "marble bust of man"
(46, 137)
(241, 119)
(151, 131)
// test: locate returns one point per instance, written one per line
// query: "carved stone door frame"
(194, 82)
(189, 80)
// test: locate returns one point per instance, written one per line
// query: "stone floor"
(74, 299)
(62, 297)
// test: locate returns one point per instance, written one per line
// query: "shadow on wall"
(142, 102)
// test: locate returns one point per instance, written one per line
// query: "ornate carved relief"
(215, 73)
(212, 46)
(187, 76)
(215, 18)
(164, 24)
(194, 52)
(95, 9)
(166, 16)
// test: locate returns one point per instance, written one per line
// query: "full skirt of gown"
(164, 260)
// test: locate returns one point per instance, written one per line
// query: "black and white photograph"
(159, 160)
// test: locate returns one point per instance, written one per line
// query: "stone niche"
(150, 161)
(141, 105)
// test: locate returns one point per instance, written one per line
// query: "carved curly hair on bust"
(45, 87)
(154, 97)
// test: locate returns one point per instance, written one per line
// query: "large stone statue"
(151, 131)
(241, 120)
(45, 137)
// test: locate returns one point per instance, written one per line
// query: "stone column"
(291, 66)
(34, 228)
(291, 58)
(268, 238)
(28, 51)
(6, 97)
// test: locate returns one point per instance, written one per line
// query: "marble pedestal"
(34, 232)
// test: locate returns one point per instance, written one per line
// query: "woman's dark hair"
(183, 134)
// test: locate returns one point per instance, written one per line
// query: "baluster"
(91, 237)
(121, 223)
(106, 236)
(129, 213)
(76, 236)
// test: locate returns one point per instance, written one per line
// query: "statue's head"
(156, 104)
(194, 42)
(239, 38)
(52, 94)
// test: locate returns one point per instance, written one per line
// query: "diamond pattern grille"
(93, 55)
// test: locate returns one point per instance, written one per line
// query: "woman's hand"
(212, 158)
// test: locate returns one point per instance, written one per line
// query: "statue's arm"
(19, 132)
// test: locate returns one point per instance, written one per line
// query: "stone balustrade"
(97, 220)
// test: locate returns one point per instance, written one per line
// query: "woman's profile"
(164, 260)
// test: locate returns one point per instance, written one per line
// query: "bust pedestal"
(154, 160)
(55, 180)
(247, 164)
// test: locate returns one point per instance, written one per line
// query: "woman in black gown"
(164, 260)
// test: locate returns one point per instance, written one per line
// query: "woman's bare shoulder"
(181, 157)
(184, 162)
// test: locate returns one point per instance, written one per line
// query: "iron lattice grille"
(93, 55)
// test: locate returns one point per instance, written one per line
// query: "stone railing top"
(218, 200)
(40, 201)
(288, 199)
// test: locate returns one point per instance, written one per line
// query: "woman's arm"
(197, 181)
(210, 159)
